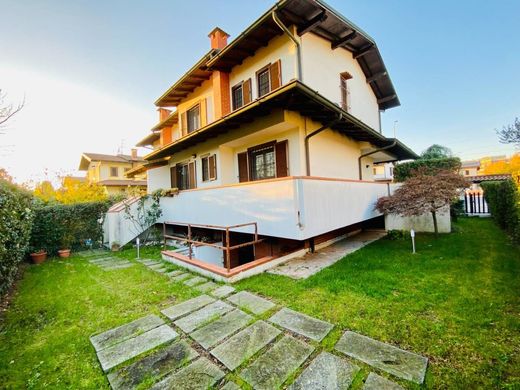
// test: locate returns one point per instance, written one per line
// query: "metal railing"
(227, 248)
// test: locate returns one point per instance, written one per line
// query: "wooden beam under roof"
(314, 22)
(386, 99)
(343, 41)
(364, 50)
(377, 76)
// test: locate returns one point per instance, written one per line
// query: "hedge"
(503, 200)
(73, 222)
(404, 171)
(15, 228)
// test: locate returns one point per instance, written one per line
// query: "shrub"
(396, 234)
(405, 170)
(15, 229)
(58, 224)
(503, 200)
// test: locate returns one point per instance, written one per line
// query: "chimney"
(163, 113)
(134, 154)
(218, 38)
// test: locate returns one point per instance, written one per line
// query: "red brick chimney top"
(218, 38)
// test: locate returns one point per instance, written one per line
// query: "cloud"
(62, 119)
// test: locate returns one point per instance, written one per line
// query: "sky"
(90, 70)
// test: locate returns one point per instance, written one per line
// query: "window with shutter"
(247, 91)
(193, 118)
(263, 82)
(275, 71)
(262, 161)
(282, 166)
(192, 178)
(184, 124)
(212, 162)
(345, 93)
(173, 177)
(237, 94)
(243, 171)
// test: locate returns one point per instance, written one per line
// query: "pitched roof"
(116, 182)
(87, 158)
(481, 178)
(297, 97)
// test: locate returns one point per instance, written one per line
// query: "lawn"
(456, 301)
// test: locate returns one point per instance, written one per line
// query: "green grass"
(456, 301)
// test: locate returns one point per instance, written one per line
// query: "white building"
(279, 129)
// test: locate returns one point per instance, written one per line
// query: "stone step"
(403, 364)
(208, 286)
(194, 281)
(216, 331)
(302, 324)
(200, 317)
(223, 291)
(201, 374)
(251, 302)
(326, 371)
(180, 277)
(183, 308)
(275, 366)
(376, 382)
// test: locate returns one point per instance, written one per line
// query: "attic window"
(345, 92)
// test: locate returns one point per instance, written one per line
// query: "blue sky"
(455, 66)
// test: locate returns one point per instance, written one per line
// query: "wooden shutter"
(212, 167)
(243, 172)
(184, 123)
(203, 113)
(173, 176)
(192, 178)
(282, 166)
(246, 91)
(275, 73)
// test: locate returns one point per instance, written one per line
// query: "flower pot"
(64, 252)
(38, 257)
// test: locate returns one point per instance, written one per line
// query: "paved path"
(110, 263)
(312, 263)
(195, 344)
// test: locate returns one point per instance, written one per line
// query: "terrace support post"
(228, 260)
(189, 242)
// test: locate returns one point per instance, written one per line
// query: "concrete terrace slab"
(302, 324)
(201, 374)
(202, 316)
(208, 286)
(194, 281)
(326, 371)
(124, 332)
(156, 365)
(403, 364)
(273, 368)
(218, 330)
(376, 382)
(177, 311)
(223, 291)
(233, 352)
(312, 263)
(113, 356)
(251, 302)
(180, 277)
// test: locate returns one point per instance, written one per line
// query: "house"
(383, 172)
(470, 168)
(271, 140)
(110, 171)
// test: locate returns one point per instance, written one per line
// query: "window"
(264, 82)
(114, 172)
(238, 96)
(183, 176)
(209, 167)
(467, 172)
(345, 93)
(193, 118)
(263, 163)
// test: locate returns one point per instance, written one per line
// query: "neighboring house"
(110, 171)
(383, 172)
(470, 168)
(279, 130)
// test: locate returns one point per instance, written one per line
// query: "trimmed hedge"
(15, 228)
(404, 171)
(76, 222)
(503, 200)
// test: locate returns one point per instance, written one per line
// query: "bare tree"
(423, 193)
(510, 134)
(7, 111)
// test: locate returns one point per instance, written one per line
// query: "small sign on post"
(137, 242)
(412, 234)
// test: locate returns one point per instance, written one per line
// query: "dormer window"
(345, 93)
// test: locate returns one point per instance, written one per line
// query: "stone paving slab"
(230, 386)
(174, 273)
(403, 364)
(102, 259)
(201, 374)
(302, 324)
(156, 266)
(117, 266)
(112, 356)
(208, 286)
(180, 277)
(194, 281)
(251, 302)
(218, 330)
(161, 270)
(156, 365)
(273, 368)
(223, 291)
(236, 350)
(202, 316)
(376, 382)
(90, 253)
(126, 331)
(183, 308)
(149, 263)
(326, 371)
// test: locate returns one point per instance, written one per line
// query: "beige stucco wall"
(321, 68)
(423, 223)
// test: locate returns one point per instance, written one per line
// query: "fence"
(474, 203)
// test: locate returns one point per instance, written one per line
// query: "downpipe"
(294, 39)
